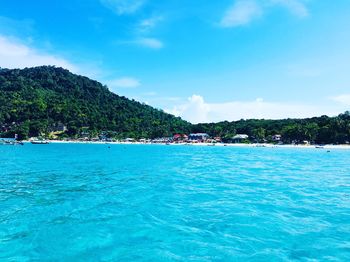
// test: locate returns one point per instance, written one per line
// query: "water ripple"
(160, 203)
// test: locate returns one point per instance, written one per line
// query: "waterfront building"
(198, 137)
(239, 138)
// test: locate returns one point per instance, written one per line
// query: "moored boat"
(40, 142)
(10, 141)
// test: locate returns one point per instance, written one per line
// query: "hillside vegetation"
(319, 130)
(33, 101)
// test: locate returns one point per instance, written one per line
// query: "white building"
(199, 137)
(277, 138)
(240, 138)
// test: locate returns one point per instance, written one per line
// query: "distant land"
(55, 103)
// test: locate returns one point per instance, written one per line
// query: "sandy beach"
(346, 147)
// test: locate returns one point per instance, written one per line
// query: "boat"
(10, 142)
(40, 142)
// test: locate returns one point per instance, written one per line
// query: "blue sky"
(200, 59)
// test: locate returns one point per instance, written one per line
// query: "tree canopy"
(320, 130)
(33, 100)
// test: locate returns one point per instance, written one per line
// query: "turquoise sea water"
(71, 202)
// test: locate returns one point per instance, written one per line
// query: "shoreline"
(201, 144)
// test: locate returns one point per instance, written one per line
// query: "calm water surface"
(71, 202)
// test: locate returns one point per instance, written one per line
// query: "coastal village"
(193, 138)
(85, 137)
(57, 130)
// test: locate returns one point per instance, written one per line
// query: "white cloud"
(152, 43)
(241, 13)
(124, 82)
(146, 42)
(14, 54)
(342, 99)
(296, 7)
(196, 110)
(148, 24)
(122, 7)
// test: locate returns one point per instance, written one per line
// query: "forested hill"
(319, 130)
(41, 100)
(35, 100)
